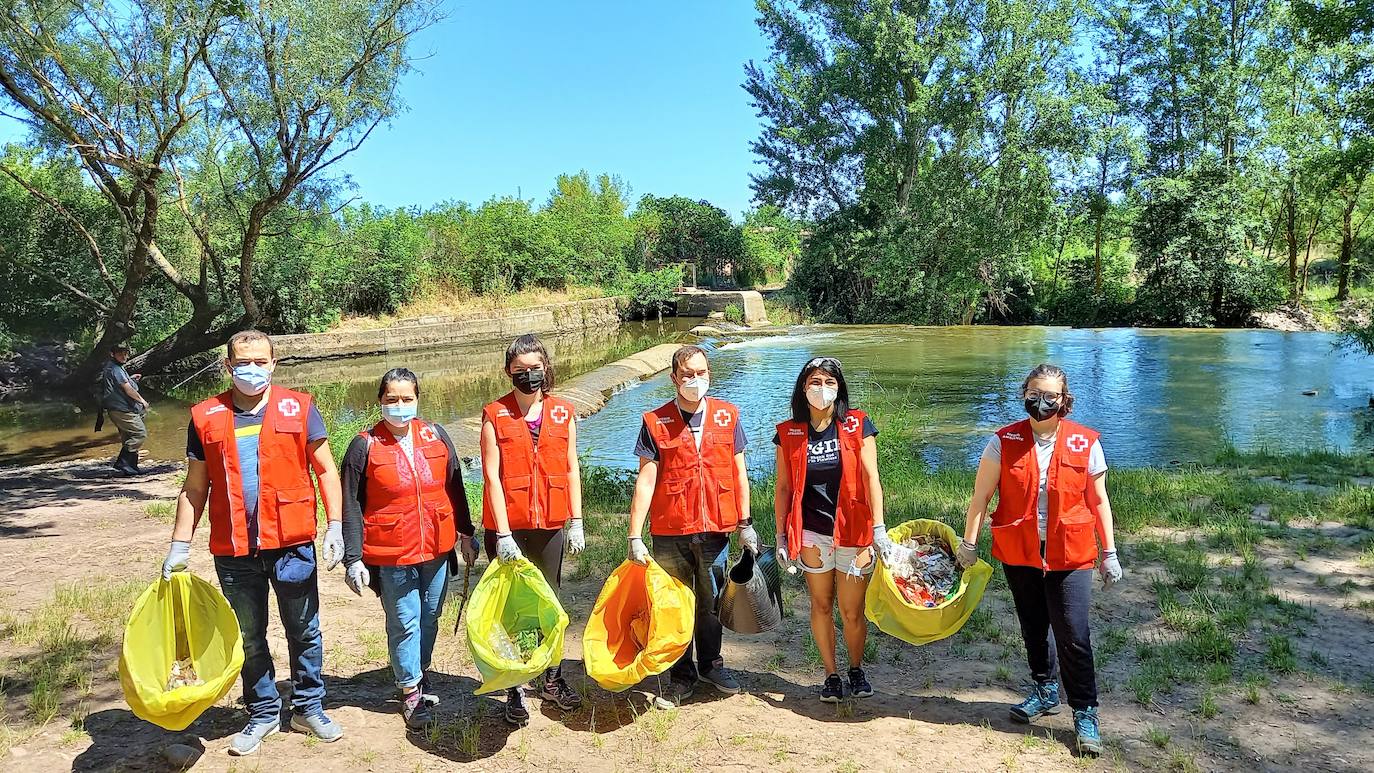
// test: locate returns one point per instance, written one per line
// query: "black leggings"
(1054, 606)
(544, 549)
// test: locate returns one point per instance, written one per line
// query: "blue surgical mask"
(400, 414)
(251, 378)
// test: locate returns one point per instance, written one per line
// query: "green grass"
(162, 511)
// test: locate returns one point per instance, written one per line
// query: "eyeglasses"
(1036, 394)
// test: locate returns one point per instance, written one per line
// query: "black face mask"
(1041, 408)
(529, 382)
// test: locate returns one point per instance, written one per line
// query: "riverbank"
(1239, 640)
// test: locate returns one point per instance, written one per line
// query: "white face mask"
(695, 388)
(821, 397)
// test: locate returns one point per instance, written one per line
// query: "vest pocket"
(296, 513)
(1079, 542)
(560, 503)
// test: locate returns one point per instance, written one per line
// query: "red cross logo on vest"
(851, 423)
(559, 414)
(427, 434)
(722, 418)
(289, 407)
(1076, 443)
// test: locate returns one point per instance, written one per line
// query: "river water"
(1157, 396)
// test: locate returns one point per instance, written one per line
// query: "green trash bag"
(515, 625)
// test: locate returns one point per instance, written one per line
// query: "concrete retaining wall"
(700, 303)
(437, 332)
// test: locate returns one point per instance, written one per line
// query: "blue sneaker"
(317, 724)
(1042, 700)
(1089, 737)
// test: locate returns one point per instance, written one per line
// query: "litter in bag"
(182, 651)
(914, 622)
(929, 575)
(641, 624)
(515, 625)
(750, 601)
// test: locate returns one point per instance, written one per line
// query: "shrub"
(734, 313)
(652, 292)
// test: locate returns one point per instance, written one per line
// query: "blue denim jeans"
(292, 575)
(413, 598)
(698, 561)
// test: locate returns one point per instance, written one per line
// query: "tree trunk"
(1290, 233)
(1347, 249)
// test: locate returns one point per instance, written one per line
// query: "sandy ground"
(939, 707)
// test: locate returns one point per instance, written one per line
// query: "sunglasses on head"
(821, 361)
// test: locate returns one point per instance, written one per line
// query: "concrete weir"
(588, 392)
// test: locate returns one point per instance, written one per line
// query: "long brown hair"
(1045, 370)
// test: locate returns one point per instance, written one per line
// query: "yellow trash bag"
(178, 623)
(641, 624)
(895, 616)
(515, 625)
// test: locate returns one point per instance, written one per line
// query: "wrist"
(635, 538)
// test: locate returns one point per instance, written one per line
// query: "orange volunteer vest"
(533, 480)
(853, 516)
(695, 491)
(408, 518)
(286, 495)
(1072, 523)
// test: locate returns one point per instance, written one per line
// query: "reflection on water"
(455, 383)
(1156, 395)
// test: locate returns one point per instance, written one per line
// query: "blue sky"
(507, 95)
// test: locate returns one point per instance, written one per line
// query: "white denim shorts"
(833, 558)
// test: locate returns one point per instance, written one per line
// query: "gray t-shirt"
(1044, 452)
(112, 395)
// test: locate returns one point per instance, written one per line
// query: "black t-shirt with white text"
(822, 487)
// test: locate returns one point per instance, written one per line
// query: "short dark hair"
(119, 347)
(801, 409)
(398, 374)
(685, 353)
(248, 337)
(1045, 370)
(529, 343)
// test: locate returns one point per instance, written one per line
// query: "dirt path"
(940, 707)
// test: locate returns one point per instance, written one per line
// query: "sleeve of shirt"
(645, 447)
(194, 448)
(1097, 461)
(121, 377)
(354, 472)
(457, 492)
(314, 425)
(993, 450)
(777, 440)
(870, 429)
(741, 442)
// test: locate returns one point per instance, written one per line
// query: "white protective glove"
(784, 561)
(896, 557)
(1110, 569)
(333, 544)
(637, 552)
(467, 548)
(966, 555)
(748, 538)
(357, 577)
(577, 541)
(178, 553)
(506, 549)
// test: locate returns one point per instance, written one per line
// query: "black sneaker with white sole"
(833, 689)
(557, 690)
(858, 684)
(517, 712)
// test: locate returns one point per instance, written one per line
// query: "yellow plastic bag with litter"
(885, 606)
(515, 625)
(182, 651)
(641, 624)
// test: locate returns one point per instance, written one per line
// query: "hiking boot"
(252, 735)
(1042, 700)
(721, 677)
(416, 713)
(674, 695)
(122, 464)
(318, 724)
(1089, 737)
(833, 689)
(858, 684)
(427, 694)
(517, 711)
(556, 689)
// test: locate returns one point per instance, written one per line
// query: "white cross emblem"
(214, 409)
(851, 424)
(427, 434)
(289, 407)
(1076, 443)
(722, 418)
(559, 414)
